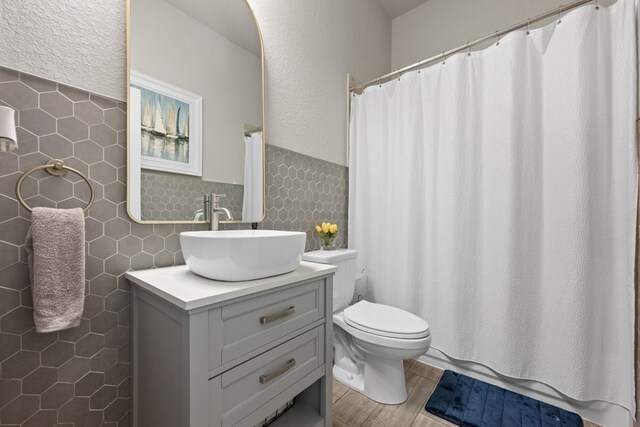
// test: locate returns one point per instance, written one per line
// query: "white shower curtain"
(252, 201)
(494, 195)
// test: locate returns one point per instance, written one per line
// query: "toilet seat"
(385, 321)
(395, 343)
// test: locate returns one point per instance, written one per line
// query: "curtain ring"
(528, 28)
(468, 51)
(560, 14)
(497, 38)
(597, 5)
(444, 57)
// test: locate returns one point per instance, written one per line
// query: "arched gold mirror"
(196, 109)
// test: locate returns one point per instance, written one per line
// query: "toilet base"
(381, 379)
(351, 380)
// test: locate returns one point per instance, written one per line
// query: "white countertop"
(179, 286)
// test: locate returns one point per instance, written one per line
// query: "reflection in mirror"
(253, 197)
(195, 110)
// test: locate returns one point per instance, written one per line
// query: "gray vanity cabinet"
(209, 353)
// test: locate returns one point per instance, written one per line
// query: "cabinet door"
(244, 326)
(238, 392)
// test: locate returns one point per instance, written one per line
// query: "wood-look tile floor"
(352, 409)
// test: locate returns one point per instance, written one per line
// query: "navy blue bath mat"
(468, 402)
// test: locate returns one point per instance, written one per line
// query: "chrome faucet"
(213, 210)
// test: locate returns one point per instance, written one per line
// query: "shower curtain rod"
(497, 35)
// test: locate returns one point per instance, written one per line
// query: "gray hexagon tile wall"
(81, 376)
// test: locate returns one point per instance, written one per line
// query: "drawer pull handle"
(273, 317)
(275, 374)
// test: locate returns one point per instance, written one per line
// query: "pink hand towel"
(55, 249)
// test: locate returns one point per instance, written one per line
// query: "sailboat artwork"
(165, 122)
(182, 125)
(164, 127)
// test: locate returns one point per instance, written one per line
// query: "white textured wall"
(310, 46)
(227, 77)
(77, 42)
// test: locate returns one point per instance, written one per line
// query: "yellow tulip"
(333, 228)
(325, 227)
(318, 229)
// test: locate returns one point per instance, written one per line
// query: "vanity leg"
(326, 384)
(134, 358)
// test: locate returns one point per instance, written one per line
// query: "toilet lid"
(384, 320)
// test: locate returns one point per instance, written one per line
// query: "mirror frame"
(264, 134)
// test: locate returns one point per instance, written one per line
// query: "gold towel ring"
(58, 168)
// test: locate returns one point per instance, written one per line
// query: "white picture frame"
(171, 150)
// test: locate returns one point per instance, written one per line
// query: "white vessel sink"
(238, 255)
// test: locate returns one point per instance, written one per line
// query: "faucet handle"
(216, 197)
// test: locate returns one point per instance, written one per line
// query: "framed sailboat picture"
(166, 124)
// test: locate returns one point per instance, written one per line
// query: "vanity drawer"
(247, 325)
(238, 392)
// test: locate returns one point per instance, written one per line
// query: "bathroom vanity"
(210, 353)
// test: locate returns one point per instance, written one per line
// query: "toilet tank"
(344, 282)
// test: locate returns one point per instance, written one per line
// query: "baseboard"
(602, 413)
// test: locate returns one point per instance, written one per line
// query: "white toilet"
(370, 340)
